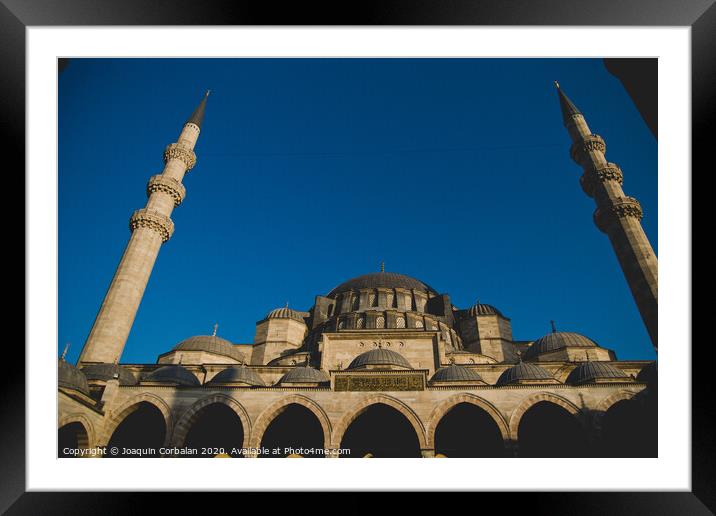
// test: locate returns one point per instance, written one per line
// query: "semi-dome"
(379, 357)
(285, 313)
(211, 344)
(558, 340)
(594, 372)
(173, 374)
(106, 372)
(304, 374)
(238, 374)
(381, 280)
(455, 373)
(523, 371)
(648, 373)
(69, 377)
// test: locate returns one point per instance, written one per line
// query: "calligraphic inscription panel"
(412, 382)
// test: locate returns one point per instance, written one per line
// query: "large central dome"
(381, 280)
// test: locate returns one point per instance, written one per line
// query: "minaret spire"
(150, 226)
(617, 215)
(197, 117)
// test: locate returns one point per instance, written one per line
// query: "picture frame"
(16, 16)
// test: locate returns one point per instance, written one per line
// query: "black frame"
(700, 15)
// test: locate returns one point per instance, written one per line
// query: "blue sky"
(312, 171)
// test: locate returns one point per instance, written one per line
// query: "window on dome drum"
(372, 300)
(380, 322)
(548, 430)
(419, 323)
(72, 436)
(216, 427)
(143, 427)
(468, 431)
(380, 431)
(400, 322)
(408, 302)
(360, 322)
(356, 302)
(294, 428)
(390, 300)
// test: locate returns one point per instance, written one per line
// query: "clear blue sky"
(312, 171)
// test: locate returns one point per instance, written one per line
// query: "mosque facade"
(383, 365)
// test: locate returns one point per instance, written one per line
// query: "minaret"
(617, 215)
(150, 227)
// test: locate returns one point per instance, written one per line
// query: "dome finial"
(216, 327)
(556, 84)
(382, 266)
(554, 328)
(64, 353)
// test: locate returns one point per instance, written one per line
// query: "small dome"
(455, 373)
(211, 344)
(238, 374)
(379, 356)
(285, 313)
(381, 280)
(648, 374)
(592, 372)
(558, 340)
(482, 309)
(69, 377)
(304, 374)
(523, 371)
(173, 374)
(105, 372)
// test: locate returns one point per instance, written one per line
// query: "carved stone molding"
(591, 177)
(176, 151)
(168, 185)
(581, 149)
(622, 208)
(153, 220)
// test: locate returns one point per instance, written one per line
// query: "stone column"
(150, 226)
(617, 215)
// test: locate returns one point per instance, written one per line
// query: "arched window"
(400, 322)
(380, 322)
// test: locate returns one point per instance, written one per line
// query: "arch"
(532, 400)
(81, 419)
(398, 405)
(616, 397)
(447, 405)
(189, 417)
(115, 418)
(270, 413)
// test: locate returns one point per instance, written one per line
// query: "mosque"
(383, 365)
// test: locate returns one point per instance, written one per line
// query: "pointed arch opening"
(216, 430)
(294, 431)
(380, 430)
(467, 430)
(71, 438)
(141, 433)
(629, 429)
(549, 430)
